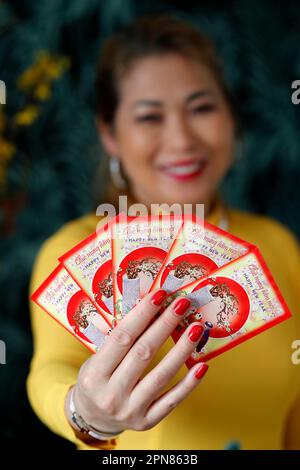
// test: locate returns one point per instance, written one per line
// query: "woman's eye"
(149, 117)
(204, 108)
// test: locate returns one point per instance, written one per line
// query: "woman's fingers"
(170, 399)
(141, 353)
(126, 332)
(154, 382)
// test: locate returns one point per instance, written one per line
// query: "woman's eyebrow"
(157, 103)
(199, 94)
(147, 102)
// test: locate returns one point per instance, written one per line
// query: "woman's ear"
(108, 137)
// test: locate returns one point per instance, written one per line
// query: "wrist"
(79, 424)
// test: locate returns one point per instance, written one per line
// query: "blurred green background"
(49, 150)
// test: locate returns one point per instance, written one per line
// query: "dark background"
(49, 151)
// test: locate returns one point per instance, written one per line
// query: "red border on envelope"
(72, 251)
(286, 315)
(114, 222)
(142, 219)
(40, 290)
(211, 227)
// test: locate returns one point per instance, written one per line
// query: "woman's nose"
(179, 135)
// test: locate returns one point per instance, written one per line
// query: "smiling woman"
(165, 112)
(168, 125)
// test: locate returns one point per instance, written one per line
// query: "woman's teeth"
(185, 169)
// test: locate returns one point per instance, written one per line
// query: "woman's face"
(173, 131)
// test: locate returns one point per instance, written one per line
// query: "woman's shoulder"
(72, 232)
(261, 228)
(79, 227)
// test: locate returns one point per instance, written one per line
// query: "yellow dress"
(251, 394)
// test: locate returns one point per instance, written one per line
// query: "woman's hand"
(110, 394)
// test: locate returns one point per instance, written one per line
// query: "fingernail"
(203, 340)
(159, 297)
(181, 306)
(201, 371)
(196, 333)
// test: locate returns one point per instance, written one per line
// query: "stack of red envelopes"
(98, 281)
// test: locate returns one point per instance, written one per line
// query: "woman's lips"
(184, 170)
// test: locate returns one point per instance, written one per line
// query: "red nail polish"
(201, 371)
(181, 306)
(159, 297)
(196, 333)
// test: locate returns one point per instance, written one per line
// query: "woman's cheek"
(215, 131)
(137, 165)
(223, 148)
(140, 141)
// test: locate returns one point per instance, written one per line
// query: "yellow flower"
(52, 67)
(7, 150)
(45, 69)
(27, 116)
(42, 92)
(55, 69)
(28, 78)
